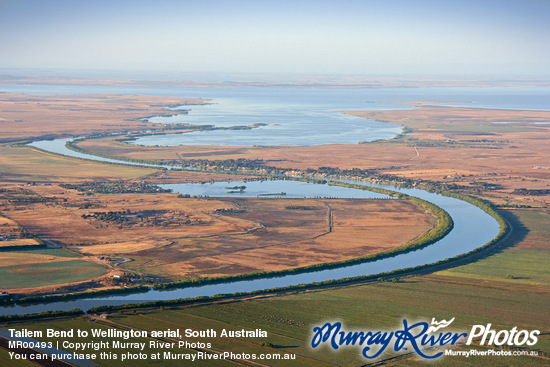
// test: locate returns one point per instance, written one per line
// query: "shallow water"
(300, 116)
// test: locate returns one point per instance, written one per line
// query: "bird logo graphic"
(439, 325)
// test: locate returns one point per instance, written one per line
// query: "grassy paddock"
(526, 258)
(6, 361)
(43, 274)
(47, 251)
(289, 319)
(30, 164)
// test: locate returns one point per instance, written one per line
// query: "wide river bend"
(472, 229)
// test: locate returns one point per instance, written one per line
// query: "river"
(292, 115)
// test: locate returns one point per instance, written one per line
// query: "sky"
(351, 37)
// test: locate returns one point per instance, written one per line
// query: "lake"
(304, 116)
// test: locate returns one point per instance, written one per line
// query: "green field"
(526, 258)
(48, 251)
(39, 275)
(505, 361)
(513, 266)
(6, 361)
(27, 164)
(289, 319)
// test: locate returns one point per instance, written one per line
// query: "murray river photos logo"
(420, 337)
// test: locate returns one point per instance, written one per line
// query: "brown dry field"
(287, 238)
(267, 236)
(163, 177)
(25, 116)
(447, 144)
(7, 226)
(60, 220)
(515, 154)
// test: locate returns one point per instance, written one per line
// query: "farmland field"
(4, 357)
(39, 274)
(284, 238)
(25, 164)
(525, 262)
(288, 320)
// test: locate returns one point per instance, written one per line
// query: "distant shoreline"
(9, 77)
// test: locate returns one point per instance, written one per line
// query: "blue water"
(529, 98)
(299, 116)
(309, 117)
(292, 189)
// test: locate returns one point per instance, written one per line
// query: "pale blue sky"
(496, 37)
